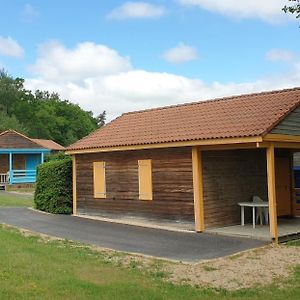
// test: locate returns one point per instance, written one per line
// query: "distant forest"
(41, 114)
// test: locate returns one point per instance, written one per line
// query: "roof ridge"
(212, 100)
(34, 139)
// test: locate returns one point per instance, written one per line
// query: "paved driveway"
(190, 247)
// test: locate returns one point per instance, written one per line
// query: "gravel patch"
(259, 267)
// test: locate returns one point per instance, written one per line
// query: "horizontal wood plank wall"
(13, 140)
(290, 125)
(4, 163)
(230, 177)
(18, 162)
(172, 184)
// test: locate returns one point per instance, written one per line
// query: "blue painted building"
(20, 156)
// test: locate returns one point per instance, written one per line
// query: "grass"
(20, 189)
(209, 268)
(294, 243)
(31, 268)
(10, 199)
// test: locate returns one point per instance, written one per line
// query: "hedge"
(53, 191)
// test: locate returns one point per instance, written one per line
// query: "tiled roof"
(16, 139)
(238, 116)
(49, 144)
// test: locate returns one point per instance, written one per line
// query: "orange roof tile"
(238, 116)
(49, 144)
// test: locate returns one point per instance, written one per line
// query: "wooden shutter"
(99, 180)
(145, 179)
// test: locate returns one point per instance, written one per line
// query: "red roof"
(49, 144)
(238, 116)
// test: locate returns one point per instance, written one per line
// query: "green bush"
(53, 191)
(56, 156)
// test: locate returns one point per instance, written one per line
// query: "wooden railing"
(296, 203)
(3, 180)
(23, 176)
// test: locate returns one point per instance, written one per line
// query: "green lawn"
(294, 243)
(31, 268)
(10, 199)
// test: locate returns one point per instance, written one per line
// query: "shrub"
(53, 191)
(56, 156)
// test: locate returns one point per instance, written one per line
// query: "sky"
(121, 56)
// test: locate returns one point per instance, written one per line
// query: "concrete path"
(189, 247)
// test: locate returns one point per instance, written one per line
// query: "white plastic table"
(253, 205)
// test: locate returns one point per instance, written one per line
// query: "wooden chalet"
(20, 156)
(193, 162)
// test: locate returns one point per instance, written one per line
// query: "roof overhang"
(282, 138)
(23, 150)
(283, 141)
(209, 142)
(278, 140)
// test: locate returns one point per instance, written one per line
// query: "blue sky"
(128, 55)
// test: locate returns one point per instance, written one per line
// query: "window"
(145, 179)
(99, 180)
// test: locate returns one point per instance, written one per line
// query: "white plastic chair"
(262, 212)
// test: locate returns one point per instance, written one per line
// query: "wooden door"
(283, 186)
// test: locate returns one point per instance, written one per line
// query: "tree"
(10, 91)
(12, 122)
(42, 114)
(101, 119)
(294, 8)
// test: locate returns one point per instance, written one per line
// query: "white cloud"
(87, 59)
(180, 54)
(136, 10)
(280, 55)
(98, 78)
(10, 47)
(267, 10)
(30, 13)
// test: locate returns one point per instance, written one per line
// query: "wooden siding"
(18, 162)
(171, 179)
(290, 125)
(230, 177)
(11, 140)
(4, 163)
(297, 159)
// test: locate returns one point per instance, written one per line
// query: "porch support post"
(198, 189)
(42, 157)
(74, 177)
(10, 168)
(272, 192)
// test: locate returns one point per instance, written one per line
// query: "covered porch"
(19, 165)
(288, 228)
(282, 198)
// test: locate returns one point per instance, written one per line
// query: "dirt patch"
(258, 267)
